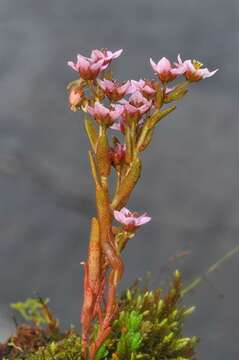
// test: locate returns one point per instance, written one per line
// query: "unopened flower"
(103, 115)
(75, 98)
(113, 90)
(86, 67)
(165, 70)
(105, 55)
(131, 220)
(117, 154)
(146, 87)
(193, 70)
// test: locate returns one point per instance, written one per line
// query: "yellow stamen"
(197, 64)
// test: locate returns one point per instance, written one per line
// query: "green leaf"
(101, 353)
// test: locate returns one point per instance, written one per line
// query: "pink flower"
(86, 67)
(113, 90)
(130, 220)
(75, 98)
(164, 69)
(136, 106)
(133, 112)
(138, 100)
(193, 70)
(90, 67)
(105, 55)
(117, 153)
(146, 87)
(104, 115)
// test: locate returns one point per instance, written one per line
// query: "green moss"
(154, 323)
(67, 349)
(33, 310)
(149, 326)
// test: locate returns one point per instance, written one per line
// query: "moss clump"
(67, 349)
(26, 340)
(149, 325)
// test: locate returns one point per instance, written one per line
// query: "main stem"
(104, 265)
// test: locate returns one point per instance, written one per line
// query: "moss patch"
(149, 325)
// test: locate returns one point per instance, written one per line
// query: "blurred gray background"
(190, 180)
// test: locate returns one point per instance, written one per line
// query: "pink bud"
(75, 98)
(117, 154)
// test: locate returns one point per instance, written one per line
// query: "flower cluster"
(133, 108)
(144, 95)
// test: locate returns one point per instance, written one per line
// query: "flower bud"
(75, 98)
(117, 154)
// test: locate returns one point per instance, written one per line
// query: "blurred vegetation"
(149, 325)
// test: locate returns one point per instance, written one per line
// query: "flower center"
(197, 64)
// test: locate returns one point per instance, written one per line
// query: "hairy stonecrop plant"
(141, 324)
(120, 119)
